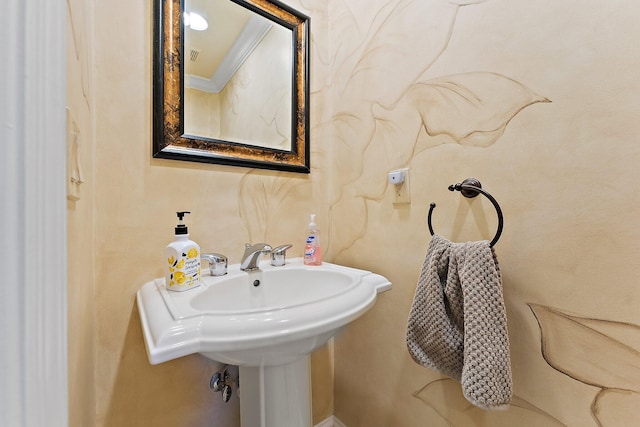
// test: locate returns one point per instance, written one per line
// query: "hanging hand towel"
(458, 323)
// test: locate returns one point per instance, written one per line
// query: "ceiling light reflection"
(195, 21)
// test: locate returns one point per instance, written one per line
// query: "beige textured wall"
(538, 100)
(80, 217)
(136, 201)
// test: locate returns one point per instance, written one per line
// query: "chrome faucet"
(252, 255)
(279, 254)
(217, 263)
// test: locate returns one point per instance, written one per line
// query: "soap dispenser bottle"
(312, 249)
(182, 268)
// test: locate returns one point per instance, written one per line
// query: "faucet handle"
(279, 254)
(217, 264)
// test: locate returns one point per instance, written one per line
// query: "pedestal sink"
(267, 322)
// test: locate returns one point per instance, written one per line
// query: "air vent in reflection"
(194, 54)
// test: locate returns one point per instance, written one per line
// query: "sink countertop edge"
(168, 338)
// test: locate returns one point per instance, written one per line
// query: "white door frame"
(33, 253)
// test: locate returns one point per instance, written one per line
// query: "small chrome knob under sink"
(220, 382)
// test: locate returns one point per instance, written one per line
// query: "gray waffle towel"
(458, 323)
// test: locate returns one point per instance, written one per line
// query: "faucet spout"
(252, 255)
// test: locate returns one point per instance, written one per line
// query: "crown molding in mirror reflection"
(169, 138)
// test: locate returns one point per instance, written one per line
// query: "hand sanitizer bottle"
(312, 249)
(182, 265)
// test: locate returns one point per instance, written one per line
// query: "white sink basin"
(279, 289)
(294, 310)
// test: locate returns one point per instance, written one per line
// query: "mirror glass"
(238, 69)
(231, 83)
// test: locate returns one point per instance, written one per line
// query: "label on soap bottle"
(312, 255)
(183, 269)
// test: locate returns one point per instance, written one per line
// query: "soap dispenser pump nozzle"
(181, 228)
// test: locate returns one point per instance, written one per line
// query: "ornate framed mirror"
(231, 83)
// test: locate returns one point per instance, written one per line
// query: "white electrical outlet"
(400, 186)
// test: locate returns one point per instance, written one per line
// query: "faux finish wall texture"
(538, 100)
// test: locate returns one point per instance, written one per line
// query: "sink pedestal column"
(276, 396)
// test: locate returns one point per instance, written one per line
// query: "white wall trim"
(33, 298)
(328, 422)
(332, 421)
(338, 423)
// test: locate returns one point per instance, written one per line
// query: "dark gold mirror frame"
(169, 140)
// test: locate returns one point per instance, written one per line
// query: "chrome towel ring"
(470, 188)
